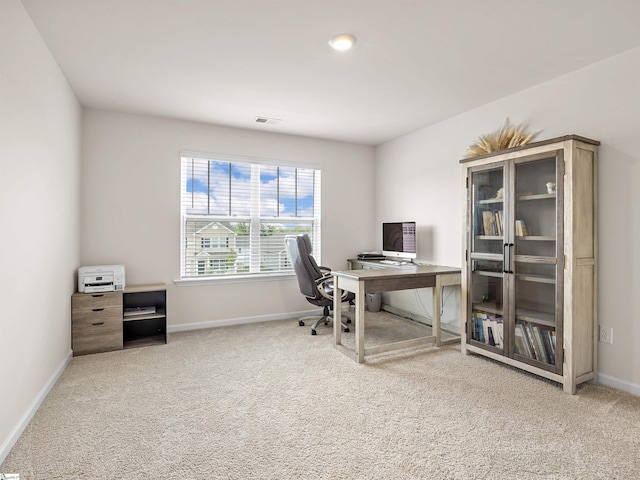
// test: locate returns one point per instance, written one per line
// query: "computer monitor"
(399, 239)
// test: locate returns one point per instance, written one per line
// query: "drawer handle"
(98, 323)
(97, 296)
(97, 309)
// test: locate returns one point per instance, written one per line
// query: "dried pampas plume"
(509, 136)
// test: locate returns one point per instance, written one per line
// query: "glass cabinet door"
(487, 207)
(487, 304)
(486, 318)
(537, 263)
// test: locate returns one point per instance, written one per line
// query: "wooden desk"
(386, 279)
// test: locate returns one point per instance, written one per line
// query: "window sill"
(258, 277)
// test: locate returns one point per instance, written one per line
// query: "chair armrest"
(325, 287)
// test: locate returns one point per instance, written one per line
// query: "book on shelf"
(498, 216)
(549, 346)
(534, 341)
(522, 342)
(521, 229)
(493, 339)
(487, 221)
(488, 329)
(478, 331)
(498, 332)
(537, 334)
(492, 222)
(135, 311)
(519, 347)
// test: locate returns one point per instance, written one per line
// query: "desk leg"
(360, 306)
(337, 313)
(436, 302)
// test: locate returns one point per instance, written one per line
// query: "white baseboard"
(13, 437)
(241, 321)
(618, 384)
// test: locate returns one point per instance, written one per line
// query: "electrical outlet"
(606, 334)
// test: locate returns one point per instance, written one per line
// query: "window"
(214, 242)
(236, 213)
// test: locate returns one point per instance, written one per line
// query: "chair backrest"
(307, 272)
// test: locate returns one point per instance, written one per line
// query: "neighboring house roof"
(214, 254)
(216, 226)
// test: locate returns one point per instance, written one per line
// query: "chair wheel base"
(313, 332)
(346, 330)
(301, 323)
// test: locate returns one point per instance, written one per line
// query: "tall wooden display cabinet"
(530, 273)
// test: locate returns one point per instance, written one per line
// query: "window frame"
(254, 221)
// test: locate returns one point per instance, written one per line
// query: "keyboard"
(392, 262)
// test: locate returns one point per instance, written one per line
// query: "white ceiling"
(415, 62)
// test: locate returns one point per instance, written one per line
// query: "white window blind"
(236, 213)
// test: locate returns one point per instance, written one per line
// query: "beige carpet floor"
(270, 401)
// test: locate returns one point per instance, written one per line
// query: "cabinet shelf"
(486, 273)
(533, 316)
(529, 238)
(528, 277)
(488, 307)
(490, 201)
(135, 342)
(535, 196)
(161, 313)
(536, 238)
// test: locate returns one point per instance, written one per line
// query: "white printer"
(101, 278)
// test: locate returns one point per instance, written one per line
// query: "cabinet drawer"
(83, 301)
(110, 315)
(101, 337)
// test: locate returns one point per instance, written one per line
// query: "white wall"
(39, 219)
(131, 207)
(418, 177)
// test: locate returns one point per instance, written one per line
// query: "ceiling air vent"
(267, 120)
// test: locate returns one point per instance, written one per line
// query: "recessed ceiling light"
(342, 42)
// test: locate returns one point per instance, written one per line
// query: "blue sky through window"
(224, 188)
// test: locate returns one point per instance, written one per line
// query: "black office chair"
(315, 282)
